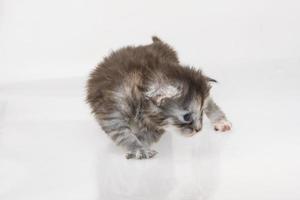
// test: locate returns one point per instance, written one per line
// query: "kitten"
(136, 91)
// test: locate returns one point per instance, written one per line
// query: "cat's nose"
(198, 129)
(197, 126)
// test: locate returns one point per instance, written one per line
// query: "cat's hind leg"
(216, 116)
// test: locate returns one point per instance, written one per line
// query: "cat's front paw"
(222, 125)
(141, 154)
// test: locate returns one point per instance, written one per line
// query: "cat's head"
(182, 100)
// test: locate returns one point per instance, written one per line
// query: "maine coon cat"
(136, 91)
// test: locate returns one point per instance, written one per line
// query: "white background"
(52, 148)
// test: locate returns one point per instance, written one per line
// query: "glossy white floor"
(51, 147)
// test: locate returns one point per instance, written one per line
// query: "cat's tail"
(155, 39)
(164, 50)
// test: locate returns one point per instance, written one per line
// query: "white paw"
(141, 154)
(222, 125)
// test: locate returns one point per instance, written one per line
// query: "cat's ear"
(208, 79)
(160, 93)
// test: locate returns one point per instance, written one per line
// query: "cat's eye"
(187, 117)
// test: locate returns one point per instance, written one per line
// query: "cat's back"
(134, 59)
(127, 71)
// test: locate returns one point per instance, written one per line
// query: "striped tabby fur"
(136, 91)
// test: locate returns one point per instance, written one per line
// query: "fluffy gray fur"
(136, 91)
